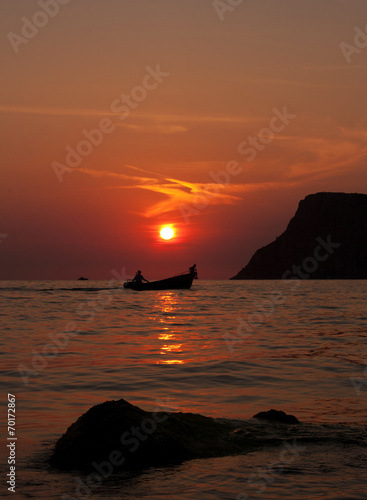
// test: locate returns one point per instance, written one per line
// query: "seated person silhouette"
(139, 278)
(193, 271)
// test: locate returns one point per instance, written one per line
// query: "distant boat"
(82, 279)
(179, 282)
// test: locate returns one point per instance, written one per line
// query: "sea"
(224, 349)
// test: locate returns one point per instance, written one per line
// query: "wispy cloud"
(319, 157)
(162, 128)
(134, 181)
(157, 118)
(174, 191)
(35, 110)
(177, 192)
(292, 161)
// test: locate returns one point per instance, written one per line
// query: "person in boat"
(193, 271)
(139, 278)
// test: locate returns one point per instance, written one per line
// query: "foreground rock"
(326, 239)
(277, 416)
(116, 435)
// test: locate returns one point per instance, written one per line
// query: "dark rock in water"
(277, 416)
(326, 239)
(116, 435)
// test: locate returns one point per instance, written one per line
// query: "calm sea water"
(223, 349)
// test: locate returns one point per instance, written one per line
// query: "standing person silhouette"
(139, 278)
(193, 271)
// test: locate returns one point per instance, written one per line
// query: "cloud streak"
(177, 192)
(164, 118)
(292, 161)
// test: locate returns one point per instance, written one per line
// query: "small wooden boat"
(179, 282)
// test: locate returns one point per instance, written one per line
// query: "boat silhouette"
(178, 282)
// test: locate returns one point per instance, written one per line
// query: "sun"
(167, 233)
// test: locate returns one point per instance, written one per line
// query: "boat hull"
(181, 282)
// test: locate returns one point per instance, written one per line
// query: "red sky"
(177, 88)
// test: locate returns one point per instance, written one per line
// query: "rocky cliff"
(326, 239)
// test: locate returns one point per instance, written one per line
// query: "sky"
(213, 117)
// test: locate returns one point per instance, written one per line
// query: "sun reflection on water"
(171, 349)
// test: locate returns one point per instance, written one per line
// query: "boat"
(178, 282)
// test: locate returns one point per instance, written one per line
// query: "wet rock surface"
(117, 435)
(277, 416)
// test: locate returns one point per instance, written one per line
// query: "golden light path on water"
(170, 344)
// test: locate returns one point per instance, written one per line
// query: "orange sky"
(178, 91)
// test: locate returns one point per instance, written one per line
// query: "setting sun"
(167, 233)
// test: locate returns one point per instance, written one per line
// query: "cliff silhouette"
(326, 239)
